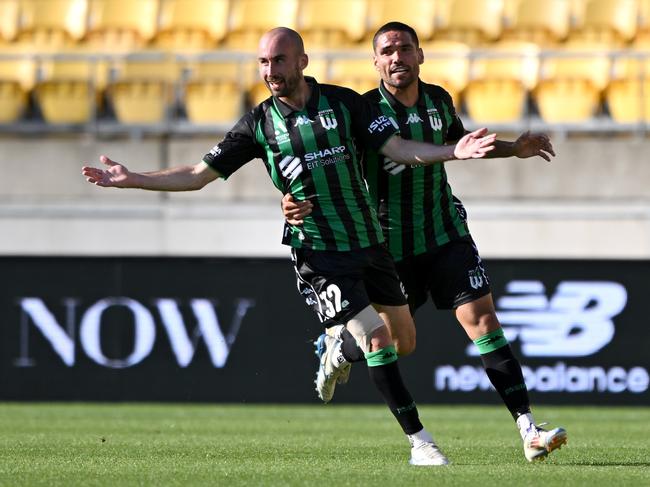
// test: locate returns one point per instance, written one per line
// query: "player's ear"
(420, 55)
(303, 62)
(374, 61)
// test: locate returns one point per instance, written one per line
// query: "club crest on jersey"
(327, 119)
(281, 132)
(413, 118)
(434, 119)
(302, 120)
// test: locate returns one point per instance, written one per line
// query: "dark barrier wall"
(210, 329)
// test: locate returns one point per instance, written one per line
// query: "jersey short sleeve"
(456, 129)
(370, 126)
(237, 148)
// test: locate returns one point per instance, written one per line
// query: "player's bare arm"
(473, 145)
(181, 178)
(527, 145)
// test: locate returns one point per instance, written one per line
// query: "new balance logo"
(327, 119)
(290, 167)
(434, 119)
(413, 118)
(575, 322)
(302, 120)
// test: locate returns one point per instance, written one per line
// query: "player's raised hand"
(115, 175)
(295, 211)
(530, 145)
(474, 145)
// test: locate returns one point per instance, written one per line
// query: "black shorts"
(452, 274)
(338, 285)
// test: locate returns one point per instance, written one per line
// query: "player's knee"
(368, 329)
(405, 345)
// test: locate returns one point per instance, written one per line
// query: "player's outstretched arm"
(473, 145)
(295, 211)
(181, 178)
(527, 145)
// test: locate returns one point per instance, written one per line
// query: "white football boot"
(538, 442)
(335, 332)
(424, 451)
(331, 366)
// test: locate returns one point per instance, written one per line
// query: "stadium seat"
(214, 90)
(473, 21)
(332, 24)
(446, 63)
(642, 37)
(144, 88)
(52, 24)
(121, 25)
(501, 79)
(358, 74)
(544, 22)
(8, 20)
(609, 21)
(578, 60)
(17, 77)
(200, 27)
(249, 19)
(69, 89)
(628, 93)
(568, 100)
(419, 14)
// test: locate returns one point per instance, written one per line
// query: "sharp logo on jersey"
(302, 120)
(327, 119)
(312, 156)
(434, 119)
(379, 124)
(290, 167)
(393, 168)
(413, 118)
(575, 322)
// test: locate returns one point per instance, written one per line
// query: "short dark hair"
(398, 26)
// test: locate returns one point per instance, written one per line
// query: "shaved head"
(284, 34)
(281, 58)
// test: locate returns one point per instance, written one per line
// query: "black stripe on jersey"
(450, 232)
(406, 183)
(327, 235)
(331, 173)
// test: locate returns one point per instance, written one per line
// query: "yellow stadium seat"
(52, 24)
(70, 90)
(495, 100)
(419, 14)
(328, 24)
(200, 27)
(629, 100)
(609, 21)
(578, 60)
(118, 25)
(578, 8)
(501, 79)
(568, 100)
(143, 91)
(8, 20)
(544, 22)
(249, 19)
(642, 37)
(446, 63)
(473, 21)
(358, 74)
(17, 77)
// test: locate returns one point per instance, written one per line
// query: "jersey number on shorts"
(332, 299)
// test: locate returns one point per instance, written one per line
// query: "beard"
(287, 84)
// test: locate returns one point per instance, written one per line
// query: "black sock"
(504, 372)
(349, 348)
(388, 381)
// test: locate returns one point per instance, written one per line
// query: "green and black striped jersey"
(416, 208)
(312, 154)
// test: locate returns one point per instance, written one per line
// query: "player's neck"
(299, 98)
(407, 96)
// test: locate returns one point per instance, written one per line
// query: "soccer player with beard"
(427, 233)
(307, 134)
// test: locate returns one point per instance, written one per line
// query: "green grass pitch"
(319, 445)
